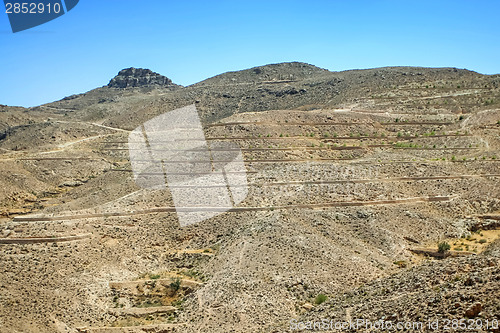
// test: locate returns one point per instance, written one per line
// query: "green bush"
(320, 299)
(176, 284)
(443, 247)
(401, 263)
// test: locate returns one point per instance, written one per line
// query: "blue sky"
(191, 41)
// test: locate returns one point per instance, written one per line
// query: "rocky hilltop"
(139, 77)
(273, 73)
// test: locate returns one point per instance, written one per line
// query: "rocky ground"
(350, 173)
(456, 294)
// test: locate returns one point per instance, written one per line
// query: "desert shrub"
(175, 284)
(443, 247)
(195, 274)
(320, 298)
(401, 263)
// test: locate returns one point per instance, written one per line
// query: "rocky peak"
(140, 77)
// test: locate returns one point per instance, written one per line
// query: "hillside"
(351, 177)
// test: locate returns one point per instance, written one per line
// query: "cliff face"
(139, 77)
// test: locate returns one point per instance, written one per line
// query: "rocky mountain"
(354, 179)
(272, 87)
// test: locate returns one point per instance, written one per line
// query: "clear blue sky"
(189, 41)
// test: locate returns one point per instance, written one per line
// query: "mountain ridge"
(278, 72)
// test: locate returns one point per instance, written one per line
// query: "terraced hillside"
(351, 176)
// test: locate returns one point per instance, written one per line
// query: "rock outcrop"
(140, 77)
